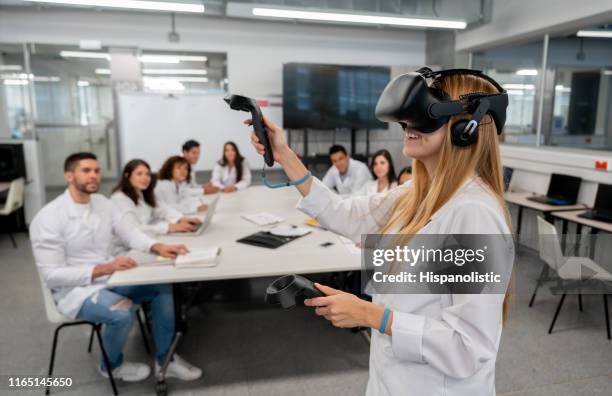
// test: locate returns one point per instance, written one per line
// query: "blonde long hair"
(411, 211)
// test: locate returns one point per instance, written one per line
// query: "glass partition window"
(581, 67)
(518, 70)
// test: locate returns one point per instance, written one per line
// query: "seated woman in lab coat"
(383, 172)
(134, 196)
(172, 187)
(231, 173)
(431, 344)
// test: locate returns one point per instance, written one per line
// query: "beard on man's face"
(87, 187)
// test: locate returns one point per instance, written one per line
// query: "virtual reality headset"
(409, 100)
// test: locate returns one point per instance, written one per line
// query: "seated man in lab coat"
(191, 152)
(71, 239)
(347, 175)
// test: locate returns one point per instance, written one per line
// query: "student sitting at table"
(404, 175)
(347, 175)
(232, 172)
(191, 152)
(172, 187)
(71, 240)
(383, 172)
(134, 196)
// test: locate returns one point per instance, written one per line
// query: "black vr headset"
(410, 101)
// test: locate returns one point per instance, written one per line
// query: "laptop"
(208, 215)
(602, 210)
(562, 190)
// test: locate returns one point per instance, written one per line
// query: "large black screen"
(332, 96)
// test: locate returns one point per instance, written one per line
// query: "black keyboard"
(594, 215)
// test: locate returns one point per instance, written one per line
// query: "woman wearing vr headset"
(423, 344)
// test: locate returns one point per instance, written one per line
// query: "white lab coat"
(356, 176)
(153, 221)
(178, 197)
(224, 176)
(67, 246)
(195, 189)
(440, 344)
(371, 187)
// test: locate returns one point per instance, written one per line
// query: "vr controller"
(243, 103)
(285, 289)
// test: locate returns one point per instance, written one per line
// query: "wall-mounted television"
(321, 96)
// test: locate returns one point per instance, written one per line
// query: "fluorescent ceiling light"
(595, 33)
(10, 67)
(515, 92)
(131, 4)
(103, 71)
(171, 58)
(85, 54)
(191, 72)
(83, 83)
(607, 72)
(357, 18)
(180, 79)
(25, 76)
(16, 82)
(562, 88)
(47, 79)
(519, 86)
(527, 72)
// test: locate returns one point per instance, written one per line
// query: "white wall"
(517, 20)
(255, 50)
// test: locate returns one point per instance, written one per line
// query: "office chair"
(14, 202)
(55, 317)
(570, 270)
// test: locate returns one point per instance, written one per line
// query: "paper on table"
(143, 258)
(198, 258)
(263, 218)
(289, 231)
(350, 245)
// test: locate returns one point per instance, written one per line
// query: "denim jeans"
(114, 308)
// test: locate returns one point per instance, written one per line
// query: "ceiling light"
(16, 82)
(527, 72)
(193, 72)
(519, 86)
(10, 67)
(85, 54)
(131, 4)
(324, 16)
(180, 79)
(103, 71)
(595, 33)
(83, 83)
(149, 58)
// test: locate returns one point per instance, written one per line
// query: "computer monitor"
(603, 199)
(564, 187)
(507, 176)
(12, 163)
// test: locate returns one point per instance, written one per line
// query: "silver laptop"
(208, 215)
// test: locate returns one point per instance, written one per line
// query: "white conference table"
(237, 260)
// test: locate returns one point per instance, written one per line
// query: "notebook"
(198, 258)
(263, 218)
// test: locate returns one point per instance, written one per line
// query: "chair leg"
(106, 361)
(13, 240)
(52, 360)
(580, 301)
(556, 313)
(605, 297)
(143, 332)
(90, 340)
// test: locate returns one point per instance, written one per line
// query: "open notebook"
(198, 258)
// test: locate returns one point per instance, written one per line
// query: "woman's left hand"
(344, 309)
(229, 189)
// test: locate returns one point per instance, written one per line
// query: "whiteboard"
(154, 126)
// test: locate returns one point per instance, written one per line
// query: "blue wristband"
(288, 183)
(383, 324)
